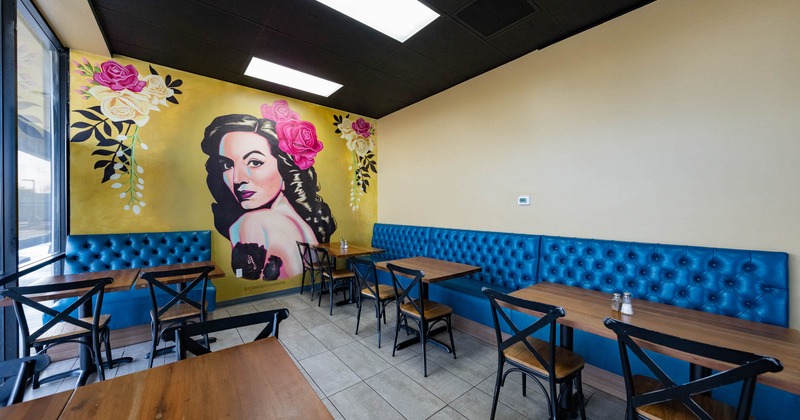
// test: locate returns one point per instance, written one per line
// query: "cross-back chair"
(87, 331)
(15, 374)
(182, 334)
(332, 279)
(310, 266)
(423, 312)
(542, 360)
(180, 308)
(370, 290)
(662, 397)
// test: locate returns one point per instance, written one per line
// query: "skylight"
(397, 18)
(281, 75)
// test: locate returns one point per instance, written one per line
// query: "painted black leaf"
(82, 136)
(107, 128)
(172, 99)
(96, 109)
(176, 83)
(105, 142)
(176, 91)
(168, 80)
(89, 115)
(103, 152)
(370, 155)
(118, 125)
(80, 124)
(100, 163)
(365, 175)
(107, 172)
(372, 166)
(153, 71)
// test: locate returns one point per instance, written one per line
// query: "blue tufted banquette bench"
(751, 285)
(100, 252)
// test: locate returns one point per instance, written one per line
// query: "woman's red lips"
(246, 194)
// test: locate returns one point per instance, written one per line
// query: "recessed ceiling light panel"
(397, 18)
(292, 78)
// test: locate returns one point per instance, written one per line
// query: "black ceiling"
(217, 38)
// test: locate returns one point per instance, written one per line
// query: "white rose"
(362, 146)
(123, 105)
(156, 90)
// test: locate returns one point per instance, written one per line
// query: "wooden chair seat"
(385, 291)
(567, 362)
(338, 274)
(178, 312)
(674, 410)
(432, 310)
(64, 330)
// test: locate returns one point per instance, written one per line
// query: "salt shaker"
(627, 307)
(616, 301)
(341, 243)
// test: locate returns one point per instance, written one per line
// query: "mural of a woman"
(261, 176)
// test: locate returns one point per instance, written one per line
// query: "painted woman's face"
(249, 169)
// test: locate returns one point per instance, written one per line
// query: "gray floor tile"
(447, 413)
(446, 386)
(301, 344)
(408, 397)
(361, 360)
(362, 402)
(464, 367)
(310, 318)
(330, 335)
(332, 409)
(601, 406)
(478, 406)
(329, 373)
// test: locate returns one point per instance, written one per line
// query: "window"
(33, 152)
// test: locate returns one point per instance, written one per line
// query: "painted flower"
(299, 139)
(279, 112)
(113, 75)
(123, 105)
(362, 127)
(362, 146)
(156, 90)
(346, 128)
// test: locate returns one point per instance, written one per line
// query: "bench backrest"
(114, 251)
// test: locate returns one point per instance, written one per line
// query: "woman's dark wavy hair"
(300, 186)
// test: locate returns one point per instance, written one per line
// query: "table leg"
(567, 406)
(437, 330)
(349, 299)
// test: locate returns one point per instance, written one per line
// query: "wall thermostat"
(524, 200)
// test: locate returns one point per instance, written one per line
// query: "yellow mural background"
(175, 190)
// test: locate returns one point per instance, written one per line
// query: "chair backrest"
(305, 254)
(191, 278)
(29, 296)
(14, 375)
(407, 292)
(366, 276)
(325, 261)
(183, 334)
(550, 315)
(747, 367)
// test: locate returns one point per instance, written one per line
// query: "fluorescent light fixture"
(397, 18)
(281, 75)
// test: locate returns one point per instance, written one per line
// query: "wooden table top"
(44, 408)
(214, 274)
(435, 270)
(123, 280)
(253, 380)
(586, 309)
(352, 250)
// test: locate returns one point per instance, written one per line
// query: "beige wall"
(677, 123)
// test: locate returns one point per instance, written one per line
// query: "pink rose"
(116, 77)
(299, 139)
(361, 127)
(279, 111)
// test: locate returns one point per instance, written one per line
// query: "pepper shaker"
(627, 307)
(616, 301)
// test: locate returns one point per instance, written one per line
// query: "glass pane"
(35, 104)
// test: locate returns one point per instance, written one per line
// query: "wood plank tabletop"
(352, 250)
(435, 270)
(586, 310)
(44, 408)
(255, 380)
(123, 280)
(214, 274)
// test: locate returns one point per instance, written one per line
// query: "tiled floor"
(356, 380)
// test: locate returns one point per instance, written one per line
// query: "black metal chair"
(539, 359)
(332, 279)
(180, 308)
(370, 290)
(63, 327)
(182, 335)
(661, 397)
(309, 266)
(423, 312)
(15, 374)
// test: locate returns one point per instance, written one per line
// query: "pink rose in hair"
(113, 75)
(361, 127)
(279, 112)
(299, 139)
